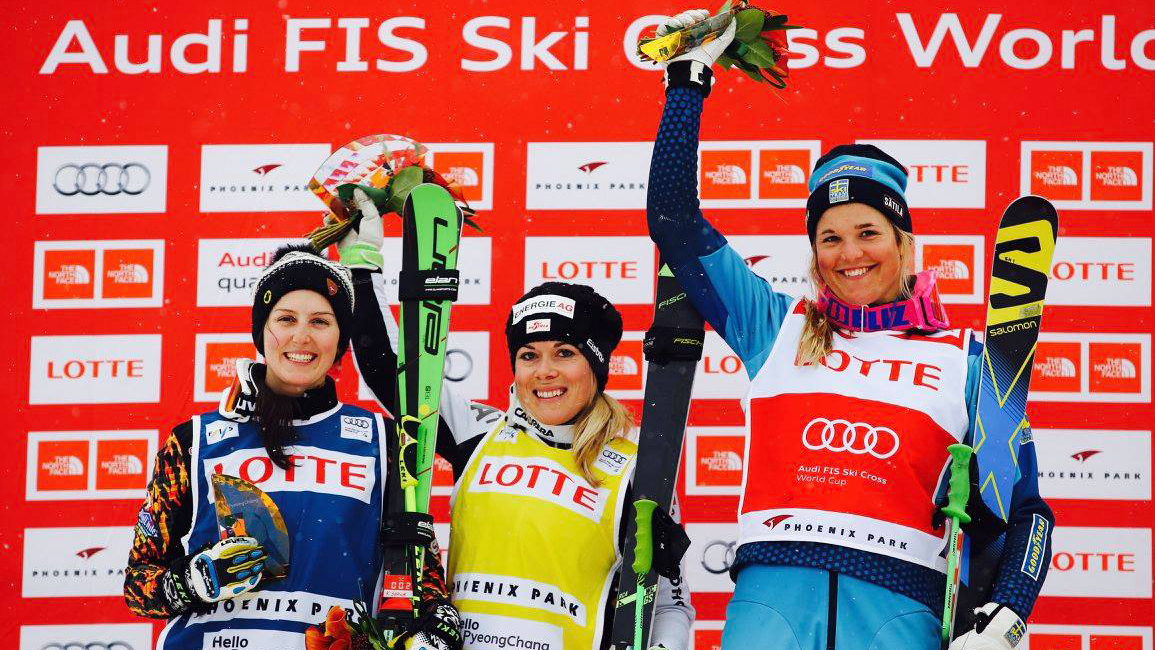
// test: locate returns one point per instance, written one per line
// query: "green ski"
(428, 283)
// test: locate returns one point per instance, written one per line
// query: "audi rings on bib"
(91, 179)
(854, 437)
(718, 556)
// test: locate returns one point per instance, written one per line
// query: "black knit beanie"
(573, 313)
(299, 267)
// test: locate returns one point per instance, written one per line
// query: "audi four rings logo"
(96, 645)
(458, 364)
(854, 437)
(718, 556)
(91, 179)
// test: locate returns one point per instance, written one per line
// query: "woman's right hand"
(707, 53)
(227, 569)
(360, 248)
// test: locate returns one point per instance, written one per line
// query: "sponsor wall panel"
(1083, 367)
(1101, 271)
(101, 180)
(470, 165)
(216, 359)
(627, 379)
(1043, 636)
(706, 635)
(1088, 175)
(84, 465)
(106, 636)
(98, 274)
(1099, 563)
(620, 268)
(960, 263)
(755, 173)
(1093, 464)
(227, 269)
(259, 177)
(715, 460)
(99, 369)
(83, 561)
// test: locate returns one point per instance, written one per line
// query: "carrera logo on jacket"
(540, 478)
(314, 470)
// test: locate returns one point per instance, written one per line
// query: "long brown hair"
(818, 332)
(274, 414)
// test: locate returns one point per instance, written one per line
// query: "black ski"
(672, 347)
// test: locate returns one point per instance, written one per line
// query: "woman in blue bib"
(854, 398)
(323, 464)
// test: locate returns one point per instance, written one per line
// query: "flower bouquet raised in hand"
(387, 168)
(759, 48)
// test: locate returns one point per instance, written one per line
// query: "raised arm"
(738, 304)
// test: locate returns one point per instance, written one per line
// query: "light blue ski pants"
(792, 608)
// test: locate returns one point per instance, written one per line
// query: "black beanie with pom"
(298, 266)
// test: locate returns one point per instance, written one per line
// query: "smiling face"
(300, 342)
(554, 382)
(857, 253)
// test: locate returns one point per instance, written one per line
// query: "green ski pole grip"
(960, 483)
(644, 539)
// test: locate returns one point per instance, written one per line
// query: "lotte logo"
(590, 270)
(854, 437)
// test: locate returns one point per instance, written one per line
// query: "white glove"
(705, 54)
(361, 248)
(226, 570)
(996, 628)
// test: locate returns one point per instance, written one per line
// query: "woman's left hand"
(438, 628)
(996, 628)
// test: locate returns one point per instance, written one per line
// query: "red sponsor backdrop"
(1049, 110)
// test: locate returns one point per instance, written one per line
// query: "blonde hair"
(602, 420)
(818, 332)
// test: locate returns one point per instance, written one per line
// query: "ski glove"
(360, 248)
(225, 570)
(996, 628)
(438, 628)
(707, 53)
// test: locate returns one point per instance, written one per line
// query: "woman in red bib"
(854, 398)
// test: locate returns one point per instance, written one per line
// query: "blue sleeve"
(1026, 544)
(737, 303)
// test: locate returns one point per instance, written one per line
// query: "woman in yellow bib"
(540, 489)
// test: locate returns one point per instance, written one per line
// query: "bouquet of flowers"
(386, 167)
(336, 633)
(759, 48)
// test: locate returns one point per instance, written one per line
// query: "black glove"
(438, 628)
(670, 544)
